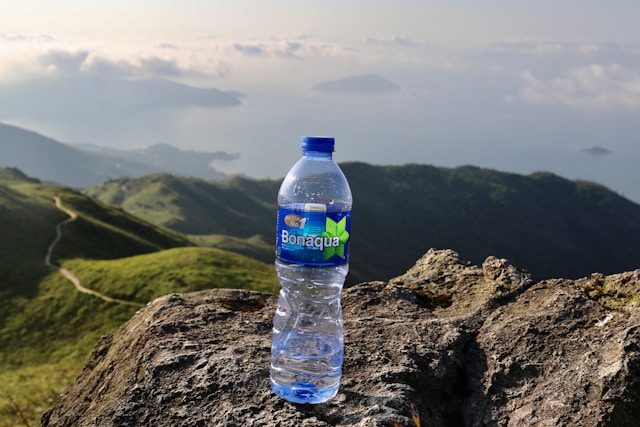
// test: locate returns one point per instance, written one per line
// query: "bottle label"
(313, 236)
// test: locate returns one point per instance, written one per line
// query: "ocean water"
(440, 128)
(402, 130)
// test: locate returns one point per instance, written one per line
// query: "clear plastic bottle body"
(307, 339)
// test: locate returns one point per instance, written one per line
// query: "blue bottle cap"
(318, 143)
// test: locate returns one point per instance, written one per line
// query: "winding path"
(66, 273)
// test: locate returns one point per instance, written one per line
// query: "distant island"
(596, 151)
(369, 83)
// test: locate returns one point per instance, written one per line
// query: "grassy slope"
(46, 326)
(241, 208)
(236, 216)
(28, 219)
(145, 277)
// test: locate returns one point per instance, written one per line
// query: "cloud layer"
(35, 56)
(576, 75)
(595, 87)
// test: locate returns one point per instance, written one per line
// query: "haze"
(514, 86)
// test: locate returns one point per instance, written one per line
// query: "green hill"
(14, 175)
(552, 226)
(174, 270)
(236, 215)
(239, 207)
(28, 217)
(47, 326)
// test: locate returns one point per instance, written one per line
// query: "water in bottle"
(312, 252)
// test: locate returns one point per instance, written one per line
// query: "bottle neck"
(317, 154)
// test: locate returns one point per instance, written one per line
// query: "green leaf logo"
(339, 230)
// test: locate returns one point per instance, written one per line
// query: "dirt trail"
(66, 273)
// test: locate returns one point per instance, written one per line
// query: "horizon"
(517, 88)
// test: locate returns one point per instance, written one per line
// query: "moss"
(615, 292)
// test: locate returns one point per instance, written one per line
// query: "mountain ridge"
(47, 159)
(476, 211)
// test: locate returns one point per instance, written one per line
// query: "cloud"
(307, 36)
(528, 47)
(593, 87)
(166, 45)
(289, 48)
(196, 59)
(393, 40)
(592, 51)
(249, 49)
(26, 57)
(146, 65)
(62, 61)
(297, 47)
(17, 37)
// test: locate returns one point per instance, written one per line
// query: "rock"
(446, 344)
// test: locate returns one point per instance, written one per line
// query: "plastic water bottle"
(312, 253)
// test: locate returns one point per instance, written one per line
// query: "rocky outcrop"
(446, 344)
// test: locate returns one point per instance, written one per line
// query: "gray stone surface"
(446, 344)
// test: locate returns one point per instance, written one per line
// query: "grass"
(47, 327)
(45, 339)
(27, 221)
(27, 392)
(105, 232)
(58, 323)
(59, 326)
(43, 343)
(145, 277)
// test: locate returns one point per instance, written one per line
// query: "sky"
(511, 85)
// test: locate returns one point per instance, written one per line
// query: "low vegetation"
(47, 327)
(145, 277)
